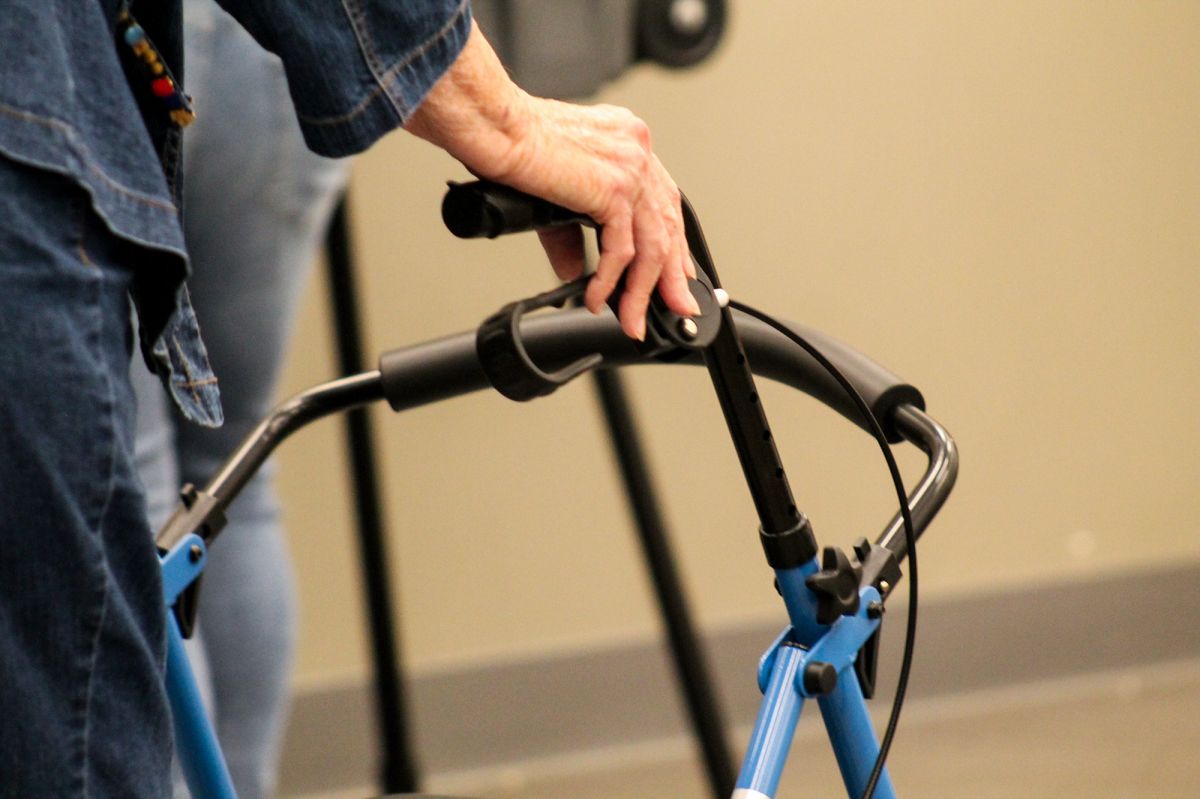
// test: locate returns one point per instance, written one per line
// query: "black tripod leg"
(399, 771)
(690, 665)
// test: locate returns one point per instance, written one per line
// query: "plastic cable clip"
(504, 359)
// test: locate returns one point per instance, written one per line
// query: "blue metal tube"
(801, 602)
(853, 737)
(775, 726)
(199, 754)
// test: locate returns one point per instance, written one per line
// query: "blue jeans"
(255, 204)
(82, 642)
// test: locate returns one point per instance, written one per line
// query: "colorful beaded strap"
(162, 84)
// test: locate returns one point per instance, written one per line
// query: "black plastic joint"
(880, 569)
(820, 678)
(866, 665)
(791, 548)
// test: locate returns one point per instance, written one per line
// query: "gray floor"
(1128, 734)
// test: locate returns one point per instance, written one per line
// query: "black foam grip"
(449, 367)
(773, 356)
(482, 209)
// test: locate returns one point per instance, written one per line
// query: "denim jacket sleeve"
(357, 69)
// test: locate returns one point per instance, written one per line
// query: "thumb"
(564, 248)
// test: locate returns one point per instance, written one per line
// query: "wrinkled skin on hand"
(595, 160)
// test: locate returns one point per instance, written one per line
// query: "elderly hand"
(595, 160)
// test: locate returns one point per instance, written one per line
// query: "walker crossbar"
(422, 374)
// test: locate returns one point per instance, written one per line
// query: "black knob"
(836, 586)
(819, 678)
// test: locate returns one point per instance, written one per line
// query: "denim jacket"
(73, 102)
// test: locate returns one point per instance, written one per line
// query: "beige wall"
(998, 201)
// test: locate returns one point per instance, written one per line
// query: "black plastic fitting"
(819, 678)
(791, 548)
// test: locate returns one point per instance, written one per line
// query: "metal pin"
(689, 328)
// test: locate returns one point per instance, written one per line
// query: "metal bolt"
(884, 586)
(689, 328)
(875, 610)
(195, 553)
(689, 16)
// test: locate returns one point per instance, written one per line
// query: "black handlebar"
(772, 356)
(448, 367)
(485, 209)
(482, 209)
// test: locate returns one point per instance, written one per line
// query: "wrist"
(475, 112)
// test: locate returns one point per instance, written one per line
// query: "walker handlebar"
(482, 209)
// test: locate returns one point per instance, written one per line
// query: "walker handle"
(482, 209)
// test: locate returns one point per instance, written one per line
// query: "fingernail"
(693, 306)
(640, 329)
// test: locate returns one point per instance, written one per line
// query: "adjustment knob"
(836, 586)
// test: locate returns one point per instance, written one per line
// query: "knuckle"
(633, 157)
(623, 253)
(658, 247)
(623, 114)
(676, 197)
(640, 132)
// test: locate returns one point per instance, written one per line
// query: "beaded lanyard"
(162, 84)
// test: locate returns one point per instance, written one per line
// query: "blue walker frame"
(780, 677)
(808, 660)
(780, 671)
